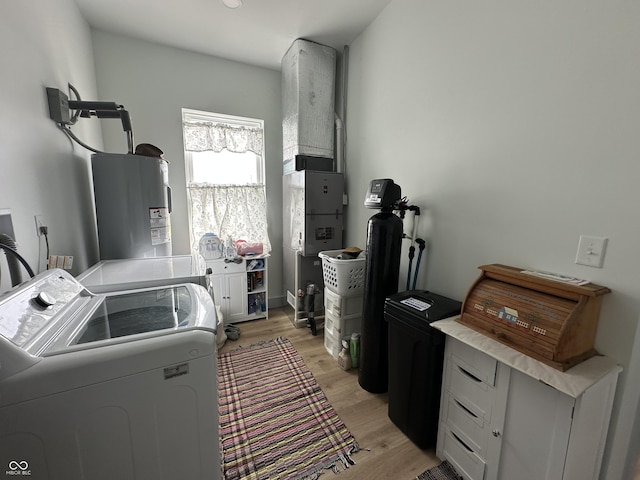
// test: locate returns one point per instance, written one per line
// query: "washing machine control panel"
(36, 306)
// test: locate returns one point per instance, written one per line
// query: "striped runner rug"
(275, 421)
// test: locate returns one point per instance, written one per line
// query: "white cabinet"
(240, 289)
(229, 293)
(471, 409)
(504, 415)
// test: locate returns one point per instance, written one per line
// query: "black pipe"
(126, 121)
(311, 307)
(13, 257)
(422, 244)
(12, 261)
(412, 251)
(92, 105)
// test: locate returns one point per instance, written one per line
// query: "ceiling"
(258, 33)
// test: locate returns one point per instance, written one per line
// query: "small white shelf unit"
(240, 289)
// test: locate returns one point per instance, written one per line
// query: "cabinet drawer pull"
(463, 407)
(469, 449)
(469, 374)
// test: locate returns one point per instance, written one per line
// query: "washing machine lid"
(133, 315)
(125, 274)
(54, 313)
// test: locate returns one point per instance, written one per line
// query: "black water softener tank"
(382, 269)
(416, 358)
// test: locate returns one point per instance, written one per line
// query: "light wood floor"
(386, 452)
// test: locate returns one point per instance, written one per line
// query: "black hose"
(12, 262)
(412, 251)
(46, 241)
(422, 244)
(9, 246)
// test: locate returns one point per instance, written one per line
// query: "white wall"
(45, 44)
(154, 82)
(514, 125)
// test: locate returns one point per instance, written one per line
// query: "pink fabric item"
(245, 248)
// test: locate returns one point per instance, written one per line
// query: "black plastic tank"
(382, 270)
(416, 359)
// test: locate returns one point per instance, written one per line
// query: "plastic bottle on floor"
(355, 349)
(344, 359)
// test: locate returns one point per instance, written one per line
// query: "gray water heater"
(133, 205)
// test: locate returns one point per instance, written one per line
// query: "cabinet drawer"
(463, 418)
(463, 384)
(462, 456)
(479, 364)
(220, 266)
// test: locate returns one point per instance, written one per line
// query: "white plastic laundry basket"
(343, 276)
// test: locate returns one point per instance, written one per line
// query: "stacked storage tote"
(343, 297)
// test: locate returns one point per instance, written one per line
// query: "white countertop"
(572, 382)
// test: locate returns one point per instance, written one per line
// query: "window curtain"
(203, 137)
(238, 212)
(230, 211)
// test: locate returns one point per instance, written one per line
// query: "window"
(224, 159)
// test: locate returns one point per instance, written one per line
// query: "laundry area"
(226, 225)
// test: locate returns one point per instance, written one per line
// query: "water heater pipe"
(60, 107)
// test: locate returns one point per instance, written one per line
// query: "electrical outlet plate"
(60, 261)
(39, 223)
(591, 251)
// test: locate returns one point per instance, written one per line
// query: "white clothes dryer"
(108, 386)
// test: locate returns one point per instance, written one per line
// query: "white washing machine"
(110, 386)
(115, 275)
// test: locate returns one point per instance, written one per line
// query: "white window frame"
(190, 115)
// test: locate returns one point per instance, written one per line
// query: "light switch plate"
(591, 251)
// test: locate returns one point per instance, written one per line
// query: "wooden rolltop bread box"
(552, 321)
